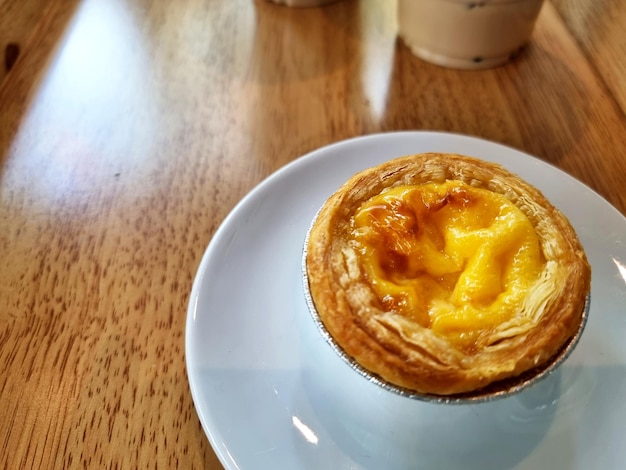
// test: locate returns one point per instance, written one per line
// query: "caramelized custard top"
(451, 257)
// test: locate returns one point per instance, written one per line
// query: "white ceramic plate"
(271, 393)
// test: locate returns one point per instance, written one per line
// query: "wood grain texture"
(600, 28)
(128, 131)
(19, 21)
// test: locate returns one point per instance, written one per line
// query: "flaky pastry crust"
(408, 355)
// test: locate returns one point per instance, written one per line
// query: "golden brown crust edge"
(376, 341)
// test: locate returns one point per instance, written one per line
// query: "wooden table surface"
(130, 128)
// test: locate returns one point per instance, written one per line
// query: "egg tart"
(443, 274)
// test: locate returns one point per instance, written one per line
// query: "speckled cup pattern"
(464, 34)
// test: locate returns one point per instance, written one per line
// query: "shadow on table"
(317, 74)
(299, 44)
(488, 103)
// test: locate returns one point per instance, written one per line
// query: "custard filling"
(451, 257)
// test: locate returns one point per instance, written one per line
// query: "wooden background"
(599, 26)
(130, 128)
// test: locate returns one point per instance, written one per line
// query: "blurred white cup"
(466, 34)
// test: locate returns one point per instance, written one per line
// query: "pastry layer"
(443, 274)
